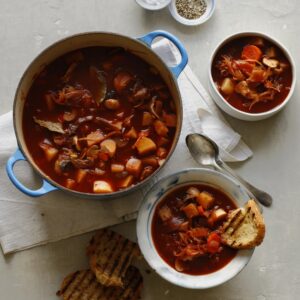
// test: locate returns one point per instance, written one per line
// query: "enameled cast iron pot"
(140, 47)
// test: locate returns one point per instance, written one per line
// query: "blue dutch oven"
(140, 47)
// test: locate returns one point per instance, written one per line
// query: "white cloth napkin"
(27, 222)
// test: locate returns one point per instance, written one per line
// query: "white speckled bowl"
(144, 222)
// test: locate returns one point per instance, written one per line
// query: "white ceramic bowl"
(229, 109)
(152, 4)
(210, 8)
(144, 222)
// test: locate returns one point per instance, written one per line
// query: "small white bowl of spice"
(192, 12)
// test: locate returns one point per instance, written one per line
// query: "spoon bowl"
(206, 153)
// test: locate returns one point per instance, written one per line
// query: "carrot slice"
(251, 52)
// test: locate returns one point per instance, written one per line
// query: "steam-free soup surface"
(99, 120)
(252, 74)
(186, 229)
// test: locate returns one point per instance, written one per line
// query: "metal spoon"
(206, 152)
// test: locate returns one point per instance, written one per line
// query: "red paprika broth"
(194, 248)
(67, 94)
(231, 63)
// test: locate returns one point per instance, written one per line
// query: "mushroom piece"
(270, 62)
(99, 84)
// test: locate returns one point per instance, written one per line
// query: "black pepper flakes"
(191, 9)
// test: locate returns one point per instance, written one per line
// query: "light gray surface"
(27, 27)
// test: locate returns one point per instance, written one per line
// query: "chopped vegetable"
(217, 215)
(50, 151)
(270, 62)
(160, 128)
(251, 52)
(227, 86)
(190, 210)
(162, 152)
(70, 183)
(134, 166)
(112, 104)
(80, 175)
(101, 186)
(147, 118)
(150, 160)
(145, 145)
(122, 81)
(94, 137)
(126, 182)
(117, 168)
(170, 119)
(131, 133)
(205, 199)
(165, 213)
(109, 146)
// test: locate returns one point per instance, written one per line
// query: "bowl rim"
(193, 22)
(272, 40)
(144, 224)
(44, 175)
(152, 8)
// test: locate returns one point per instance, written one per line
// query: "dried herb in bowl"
(191, 9)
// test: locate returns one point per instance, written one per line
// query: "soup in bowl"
(252, 76)
(179, 233)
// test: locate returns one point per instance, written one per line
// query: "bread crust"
(244, 228)
(110, 256)
(84, 285)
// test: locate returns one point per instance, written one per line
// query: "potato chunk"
(94, 137)
(50, 151)
(126, 182)
(165, 213)
(131, 133)
(117, 168)
(217, 215)
(109, 146)
(147, 118)
(145, 145)
(160, 128)
(205, 199)
(191, 210)
(227, 86)
(80, 175)
(134, 166)
(101, 186)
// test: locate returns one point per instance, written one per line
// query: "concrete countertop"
(27, 27)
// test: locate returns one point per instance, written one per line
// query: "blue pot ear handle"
(148, 39)
(44, 189)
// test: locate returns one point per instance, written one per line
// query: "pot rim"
(93, 195)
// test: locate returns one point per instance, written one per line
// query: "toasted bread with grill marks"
(83, 285)
(110, 256)
(244, 228)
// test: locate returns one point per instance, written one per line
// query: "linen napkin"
(26, 222)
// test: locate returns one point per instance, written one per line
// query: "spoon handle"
(263, 197)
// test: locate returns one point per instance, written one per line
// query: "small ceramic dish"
(153, 4)
(210, 8)
(228, 108)
(144, 227)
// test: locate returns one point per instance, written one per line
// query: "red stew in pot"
(186, 229)
(252, 74)
(99, 120)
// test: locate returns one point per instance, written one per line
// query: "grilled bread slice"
(244, 228)
(83, 285)
(110, 256)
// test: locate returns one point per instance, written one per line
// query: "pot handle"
(148, 39)
(44, 189)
